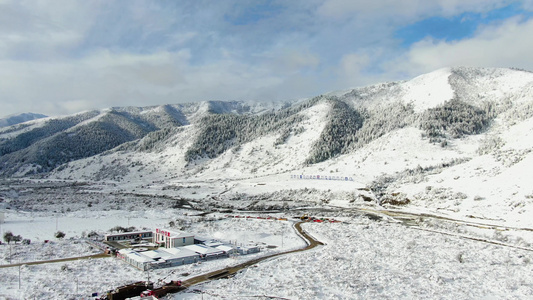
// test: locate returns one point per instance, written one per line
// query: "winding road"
(228, 271)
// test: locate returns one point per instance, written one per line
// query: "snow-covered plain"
(368, 260)
(363, 257)
(80, 278)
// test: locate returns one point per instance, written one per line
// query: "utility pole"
(148, 274)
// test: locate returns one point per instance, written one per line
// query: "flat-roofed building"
(206, 252)
(134, 258)
(129, 236)
(160, 258)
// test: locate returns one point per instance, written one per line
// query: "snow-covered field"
(363, 258)
(80, 278)
(377, 260)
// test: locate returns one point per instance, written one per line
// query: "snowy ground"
(79, 279)
(371, 260)
(363, 258)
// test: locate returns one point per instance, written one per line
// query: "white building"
(207, 252)
(134, 258)
(129, 236)
(173, 239)
(249, 249)
(160, 258)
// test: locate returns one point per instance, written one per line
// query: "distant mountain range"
(445, 105)
(20, 118)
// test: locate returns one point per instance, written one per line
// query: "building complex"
(173, 248)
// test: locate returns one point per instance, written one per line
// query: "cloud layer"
(59, 57)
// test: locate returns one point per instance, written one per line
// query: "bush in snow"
(8, 237)
(489, 144)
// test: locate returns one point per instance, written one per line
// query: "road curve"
(228, 271)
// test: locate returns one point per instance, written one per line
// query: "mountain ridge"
(19, 118)
(376, 109)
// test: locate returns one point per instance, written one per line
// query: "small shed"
(230, 250)
(249, 249)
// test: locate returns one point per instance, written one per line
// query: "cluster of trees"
(10, 237)
(349, 128)
(338, 134)
(382, 120)
(123, 229)
(489, 144)
(454, 119)
(220, 132)
(381, 184)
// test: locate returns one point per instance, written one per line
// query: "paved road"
(101, 255)
(311, 243)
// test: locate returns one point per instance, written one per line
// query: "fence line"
(321, 177)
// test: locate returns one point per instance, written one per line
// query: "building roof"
(203, 249)
(155, 255)
(129, 233)
(134, 255)
(225, 248)
(174, 234)
(212, 243)
(181, 252)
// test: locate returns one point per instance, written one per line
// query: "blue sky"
(457, 27)
(65, 56)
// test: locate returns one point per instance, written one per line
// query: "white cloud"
(354, 63)
(106, 79)
(505, 44)
(62, 56)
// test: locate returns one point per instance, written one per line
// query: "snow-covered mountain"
(455, 140)
(19, 118)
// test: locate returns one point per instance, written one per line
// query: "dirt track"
(222, 273)
(101, 255)
(410, 219)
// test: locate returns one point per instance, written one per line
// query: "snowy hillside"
(455, 140)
